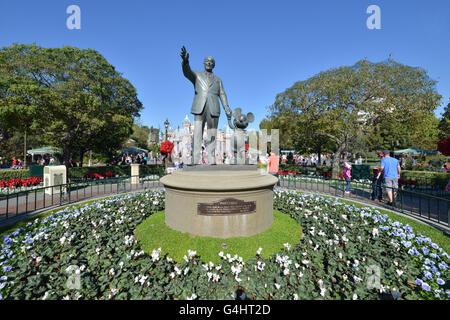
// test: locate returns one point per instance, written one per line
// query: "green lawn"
(153, 234)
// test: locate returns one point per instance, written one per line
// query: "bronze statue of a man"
(205, 107)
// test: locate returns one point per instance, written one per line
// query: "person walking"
(390, 168)
(377, 179)
(274, 162)
(347, 176)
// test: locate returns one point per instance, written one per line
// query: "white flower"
(178, 271)
(340, 255)
(322, 292)
(375, 232)
(155, 254)
(62, 240)
(186, 270)
(221, 254)
(286, 271)
(191, 253)
(399, 272)
(305, 261)
(192, 297)
(277, 286)
(111, 271)
(295, 296)
(355, 296)
(259, 251)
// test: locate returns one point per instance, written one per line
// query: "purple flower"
(428, 274)
(425, 250)
(440, 281)
(7, 240)
(425, 286)
(442, 266)
(435, 246)
(419, 282)
(7, 269)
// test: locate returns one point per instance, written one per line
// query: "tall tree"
(21, 91)
(348, 101)
(444, 123)
(80, 100)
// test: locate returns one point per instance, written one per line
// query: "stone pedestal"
(134, 173)
(55, 176)
(220, 201)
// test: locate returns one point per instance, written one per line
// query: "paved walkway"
(19, 207)
(430, 210)
(433, 210)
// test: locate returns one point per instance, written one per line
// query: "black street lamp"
(166, 125)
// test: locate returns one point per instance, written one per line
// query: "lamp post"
(166, 125)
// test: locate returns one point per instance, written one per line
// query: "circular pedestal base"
(219, 203)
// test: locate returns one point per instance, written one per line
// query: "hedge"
(122, 170)
(14, 174)
(78, 173)
(427, 178)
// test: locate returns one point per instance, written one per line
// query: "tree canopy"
(346, 102)
(73, 96)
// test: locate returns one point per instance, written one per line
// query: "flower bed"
(14, 185)
(346, 253)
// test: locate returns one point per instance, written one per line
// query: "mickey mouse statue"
(239, 125)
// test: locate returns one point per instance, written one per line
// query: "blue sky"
(260, 47)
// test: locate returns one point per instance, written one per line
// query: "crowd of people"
(13, 164)
(130, 158)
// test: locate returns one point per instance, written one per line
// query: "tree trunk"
(319, 153)
(81, 158)
(336, 160)
(25, 149)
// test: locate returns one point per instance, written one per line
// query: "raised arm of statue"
(185, 65)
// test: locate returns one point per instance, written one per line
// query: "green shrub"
(427, 178)
(14, 174)
(78, 173)
(121, 171)
(435, 164)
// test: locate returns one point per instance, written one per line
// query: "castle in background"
(182, 138)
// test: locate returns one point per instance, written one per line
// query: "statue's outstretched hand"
(184, 54)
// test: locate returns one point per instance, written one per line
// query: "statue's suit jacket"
(207, 92)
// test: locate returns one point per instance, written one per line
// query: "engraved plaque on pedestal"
(226, 207)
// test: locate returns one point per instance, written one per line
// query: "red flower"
(444, 147)
(166, 147)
